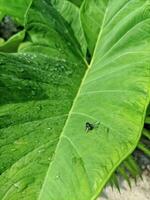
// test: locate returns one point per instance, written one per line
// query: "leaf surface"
(76, 2)
(92, 16)
(71, 13)
(12, 44)
(15, 8)
(36, 93)
(47, 154)
(115, 93)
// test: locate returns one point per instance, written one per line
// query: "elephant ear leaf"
(37, 88)
(15, 8)
(62, 139)
(114, 93)
(76, 2)
(12, 17)
(92, 16)
(71, 13)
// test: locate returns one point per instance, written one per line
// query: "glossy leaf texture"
(12, 44)
(71, 13)
(47, 151)
(92, 15)
(36, 93)
(115, 93)
(15, 8)
(76, 2)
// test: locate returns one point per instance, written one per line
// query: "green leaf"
(129, 167)
(77, 2)
(114, 182)
(71, 14)
(122, 171)
(12, 44)
(143, 148)
(132, 167)
(146, 133)
(92, 16)
(108, 94)
(36, 95)
(15, 8)
(42, 29)
(47, 152)
(147, 120)
(2, 41)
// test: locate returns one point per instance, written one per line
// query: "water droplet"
(13, 149)
(58, 177)
(95, 185)
(49, 159)
(17, 142)
(63, 60)
(34, 56)
(62, 67)
(68, 73)
(41, 150)
(39, 108)
(66, 31)
(69, 44)
(33, 92)
(57, 64)
(16, 185)
(21, 70)
(19, 88)
(57, 45)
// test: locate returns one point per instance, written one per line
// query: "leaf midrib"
(74, 102)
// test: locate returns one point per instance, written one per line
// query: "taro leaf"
(92, 16)
(125, 14)
(2, 41)
(76, 2)
(36, 94)
(114, 92)
(12, 44)
(15, 8)
(71, 13)
(11, 28)
(44, 28)
(45, 159)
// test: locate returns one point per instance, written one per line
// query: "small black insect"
(89, 126)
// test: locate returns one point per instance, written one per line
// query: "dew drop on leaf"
(21, 70)
(16, 185)
(33, 92)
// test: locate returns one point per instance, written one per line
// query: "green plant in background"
(49, 93)
(17, 9)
